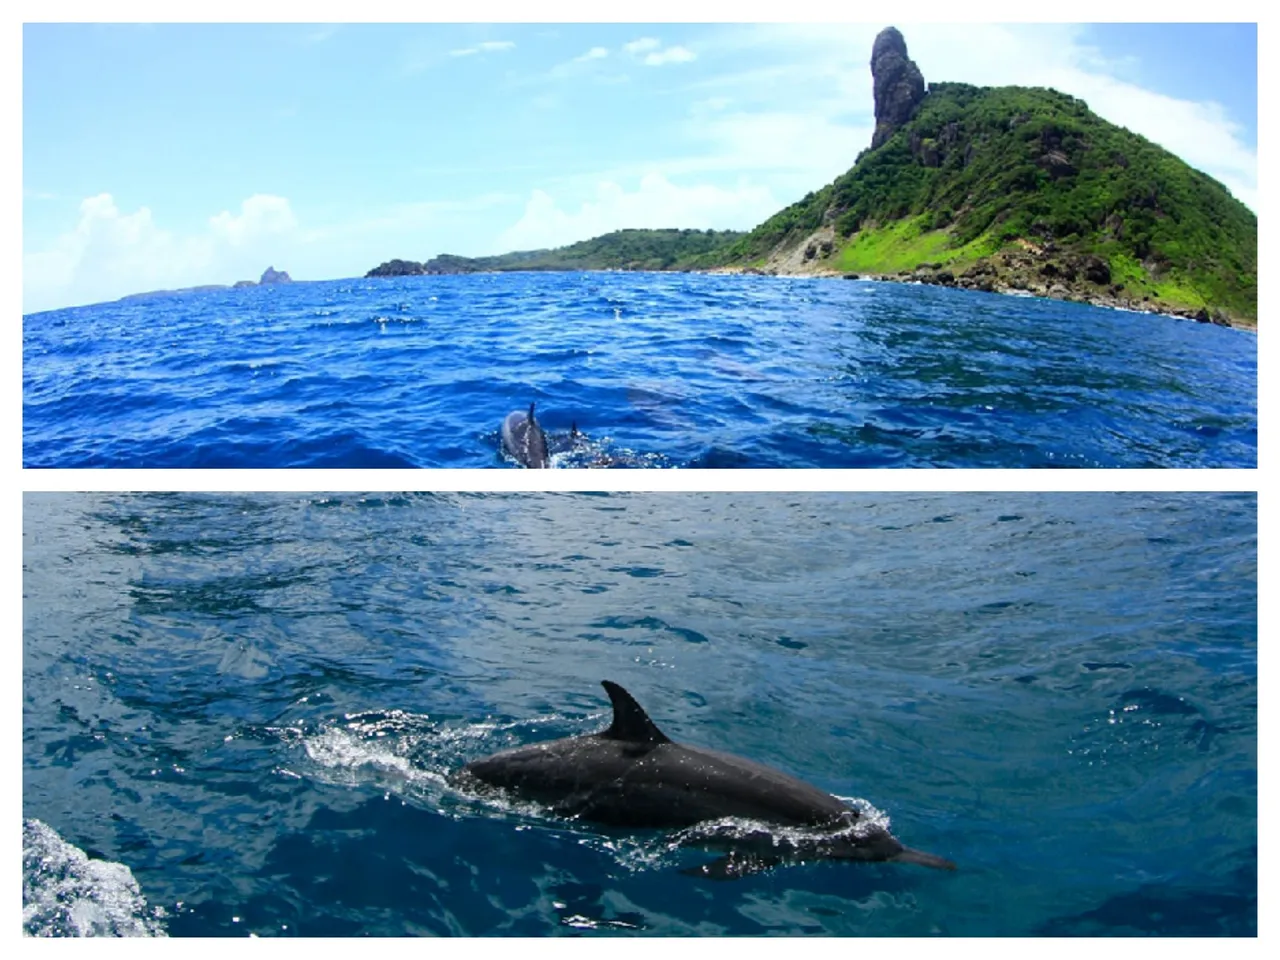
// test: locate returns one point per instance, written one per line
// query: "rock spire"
(897, 81)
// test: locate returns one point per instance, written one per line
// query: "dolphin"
(633, 775)
(522, 438)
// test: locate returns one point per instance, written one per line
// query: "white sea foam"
(339, 749)
(66, 893)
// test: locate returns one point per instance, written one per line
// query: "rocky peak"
(897, 82)
(272, 275)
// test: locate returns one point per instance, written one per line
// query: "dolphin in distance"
(632, 775)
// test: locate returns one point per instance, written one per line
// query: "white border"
(16, 480)
(500, 479)
(652, 11)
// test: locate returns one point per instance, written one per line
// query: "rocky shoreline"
(1028, 272)
(1071, 283)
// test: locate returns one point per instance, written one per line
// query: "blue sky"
(160, 156)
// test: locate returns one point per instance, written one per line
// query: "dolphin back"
(524, 439)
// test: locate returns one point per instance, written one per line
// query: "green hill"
(990, 188)
(1014, 187)
(621, 250)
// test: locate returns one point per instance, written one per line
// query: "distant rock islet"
(269, 276)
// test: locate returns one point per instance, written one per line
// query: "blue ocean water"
(239, 710)
(673, 370)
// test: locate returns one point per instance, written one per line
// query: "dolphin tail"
(907, 855)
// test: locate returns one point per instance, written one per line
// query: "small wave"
(738, 830)
(242, 659)
(66, 893)
(413, 757)
(1144, 724)
(583, 452)
(791, 843)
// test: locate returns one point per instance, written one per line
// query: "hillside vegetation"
(1034, 173)
(621, 250)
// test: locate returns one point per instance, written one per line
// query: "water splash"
(66, 893)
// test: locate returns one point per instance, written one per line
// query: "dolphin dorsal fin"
(630, 722)
(531, 406)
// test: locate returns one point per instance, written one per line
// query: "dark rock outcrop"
(272, 275)
(818, 248)
(897, 82)
(449, 263)
(397, 268)
(1057, 164)
(1097, 270)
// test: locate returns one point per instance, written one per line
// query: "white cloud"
(669, 55)
(260, 215)
(488, 46)
(650, 52)
(640, 46)
(581, 65)
(109, 253)
(768, 140)
(104, 253)
(761, 145)
(655, 203)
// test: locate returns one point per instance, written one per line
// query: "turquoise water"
(239, 710)
(655, 370)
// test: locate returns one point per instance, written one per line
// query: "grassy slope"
(902, 245)
(979, 168)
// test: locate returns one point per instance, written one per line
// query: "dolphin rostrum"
(522, 438)
(632, 775)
